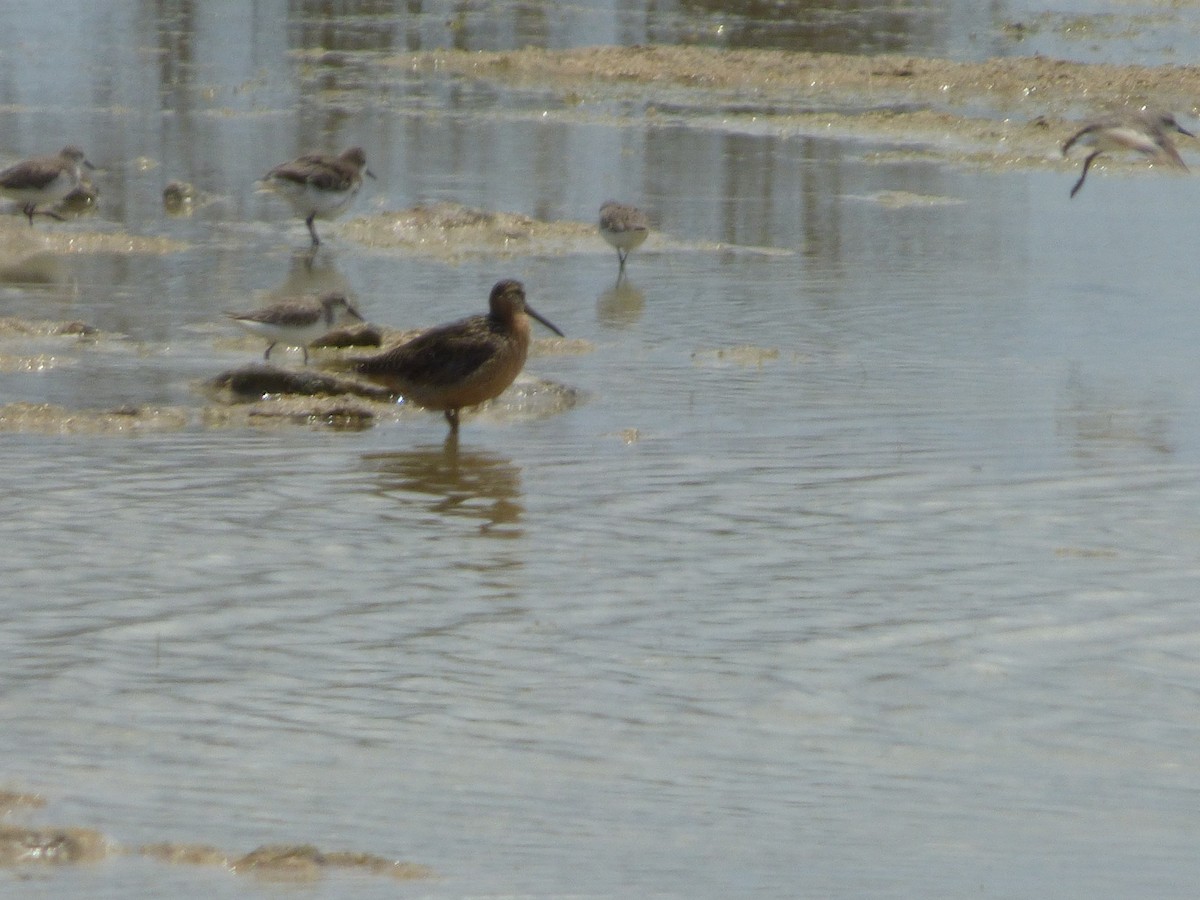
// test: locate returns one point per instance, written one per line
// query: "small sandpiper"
(463, 363)
(318, 185)
(624, 227)
(297, 323)
(44, 180)
(1144, 131)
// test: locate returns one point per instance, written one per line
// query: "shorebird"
(318, 185)
(297, 323)
(44, 180)
(1144, 131)
(623, 226)
(463, 363)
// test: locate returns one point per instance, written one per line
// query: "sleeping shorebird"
(1144, 131)
(318, 185)
(297, 323)
(44, 180)
(463, 363)
(625, 227)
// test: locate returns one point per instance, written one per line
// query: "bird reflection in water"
(469, 484)
(621, 305)
(308, 275)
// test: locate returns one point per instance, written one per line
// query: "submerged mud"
(1043, 86)
(55, 846)
(256, 394)
(451, 231)
(22, 845)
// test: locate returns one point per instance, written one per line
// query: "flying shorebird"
(1144, 131)
(297, 323)
(318, 185)
(463, 363)
(44, 180)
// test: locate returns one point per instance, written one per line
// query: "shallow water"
(863, 567)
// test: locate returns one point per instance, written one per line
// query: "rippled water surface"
(865, 564)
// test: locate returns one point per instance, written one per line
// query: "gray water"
(865, 565)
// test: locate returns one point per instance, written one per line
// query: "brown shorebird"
(44, 180)
(297, 323)
(318, 185)
(1144, 131)
(463, 363)
(623, 226)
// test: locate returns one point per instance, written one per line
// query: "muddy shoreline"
(998, 112)
(1043, 86)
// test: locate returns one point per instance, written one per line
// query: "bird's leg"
(28, 209)
(1086, 163)
(267, 355)
(312, 229)
(452, 417)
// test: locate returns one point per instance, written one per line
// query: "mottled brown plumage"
(463, 363)
(318, 185)
(297, 323)
(44, 179)
(625, 227)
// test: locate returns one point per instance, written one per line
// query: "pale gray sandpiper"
(318, 185)
(624, 227)
(1142, 131)
(44, 180)
(463, 363)
(297, 323)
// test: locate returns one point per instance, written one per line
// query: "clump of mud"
(14, 800)
(48, 418)
(50, 845)
(64, 846)
(450, 231)
(741, 355)
(286, 862)
(72, 846)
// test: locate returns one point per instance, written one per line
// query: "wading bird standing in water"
(463, 363)
(297, 323)
(319, 186)
(44, 180)
(625, 227)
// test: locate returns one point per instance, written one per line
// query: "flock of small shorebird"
(475, 359)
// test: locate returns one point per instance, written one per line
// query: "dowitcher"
(297, 323)
(318, 185)
(463, 363)
(1144, 131)
(44, 180)
(624, 227)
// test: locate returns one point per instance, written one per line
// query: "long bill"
(531, 312)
